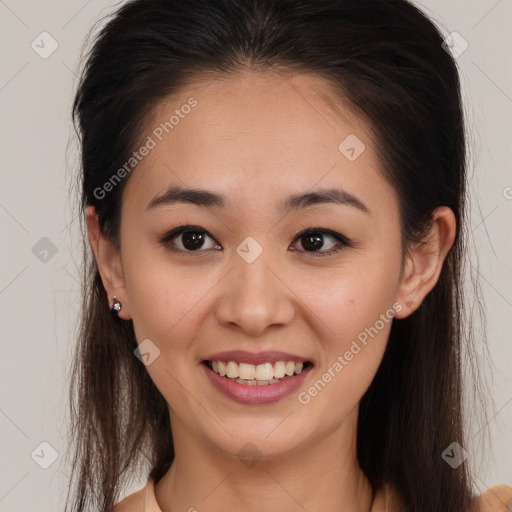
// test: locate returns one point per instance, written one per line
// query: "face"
(243, 276)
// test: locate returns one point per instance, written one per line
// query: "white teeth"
(279, 369)
(261, 374)
(264, 372)
(232, 370)
(290, 368)
(246, 371)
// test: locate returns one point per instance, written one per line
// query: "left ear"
(424, 261)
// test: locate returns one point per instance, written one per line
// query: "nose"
(255, 296)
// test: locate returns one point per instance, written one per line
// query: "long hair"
(386, 58)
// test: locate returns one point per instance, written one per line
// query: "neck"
(324, 475)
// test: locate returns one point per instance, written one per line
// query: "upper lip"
(242, 356)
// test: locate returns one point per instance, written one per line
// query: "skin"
(256, 138)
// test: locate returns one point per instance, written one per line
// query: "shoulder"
(133, 503)
(496, 499)
(141, 501)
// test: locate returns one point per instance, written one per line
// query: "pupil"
(312, 242)
(192, 240)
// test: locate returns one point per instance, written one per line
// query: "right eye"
(189, 240)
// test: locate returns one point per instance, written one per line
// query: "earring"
(409, 303)
(116, 306)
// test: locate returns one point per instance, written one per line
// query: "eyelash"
(343, 242)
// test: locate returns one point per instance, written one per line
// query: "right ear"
(108, 261)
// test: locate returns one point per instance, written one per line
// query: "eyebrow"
(201, 197)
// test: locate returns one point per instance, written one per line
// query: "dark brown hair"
(386, 58)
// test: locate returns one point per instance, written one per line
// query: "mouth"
(264, 374)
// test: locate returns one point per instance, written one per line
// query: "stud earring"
(116, 306)
(409, 303)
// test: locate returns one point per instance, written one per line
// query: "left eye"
(314, 238)
(191, 239)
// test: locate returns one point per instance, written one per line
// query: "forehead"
(256, 135)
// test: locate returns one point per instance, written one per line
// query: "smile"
(261, 374)
(256, 384)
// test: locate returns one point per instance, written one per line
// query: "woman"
(274, 195)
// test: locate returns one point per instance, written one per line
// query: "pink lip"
(241, 356)
(255, 394)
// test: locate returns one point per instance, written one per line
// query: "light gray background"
(40, 300)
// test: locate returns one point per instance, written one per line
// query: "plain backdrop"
(41, 255)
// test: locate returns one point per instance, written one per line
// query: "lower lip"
(256, 394)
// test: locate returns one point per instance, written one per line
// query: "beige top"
(496, 499)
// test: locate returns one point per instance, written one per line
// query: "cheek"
(354, 311)
(349, 300)
(165, 305)
(358, 315)
(163, 297)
